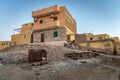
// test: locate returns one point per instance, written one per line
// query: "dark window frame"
(100, 38)
(55, 34)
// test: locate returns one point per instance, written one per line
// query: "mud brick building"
(24, 35)
(53, 24)
(101, 41)
(4, 44)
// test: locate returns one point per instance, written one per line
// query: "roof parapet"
(46, 11)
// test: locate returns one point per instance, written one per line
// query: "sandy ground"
(15, 66)
(92, 69)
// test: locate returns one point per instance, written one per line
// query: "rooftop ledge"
(46, 11)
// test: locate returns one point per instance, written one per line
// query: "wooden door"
(42, 37)
(68, 38)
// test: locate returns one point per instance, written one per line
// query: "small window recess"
(55, 18)
(41, 21)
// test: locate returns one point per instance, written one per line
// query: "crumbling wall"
(53, 52)
(118, 48)
(108, 45)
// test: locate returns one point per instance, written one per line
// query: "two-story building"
(53, 24)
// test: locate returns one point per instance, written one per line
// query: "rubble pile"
(81, 55)
(14, 58)
(15, 48)
(110, 60)
(74, 45)
(64, 63)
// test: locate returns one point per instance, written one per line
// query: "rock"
(0, 59)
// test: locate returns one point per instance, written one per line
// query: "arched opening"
(37, 55)
(43, 55)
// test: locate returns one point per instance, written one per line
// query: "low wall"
(54, 52)
(107, 44)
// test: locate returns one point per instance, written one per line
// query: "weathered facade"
(101, 37)
(84, 38)
(101, 41)
(107, 44)
(24, 36)
(4, 44)
(49, 35)
(116, 39)
(53, 24)
(118, 47)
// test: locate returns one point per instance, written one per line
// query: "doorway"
(68, 38)
(42, 37)
(37, 55)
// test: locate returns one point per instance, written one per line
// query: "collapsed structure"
(54, 24)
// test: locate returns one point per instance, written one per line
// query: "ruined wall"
(49, 35)
(24, 36)
(109, 45)
(54, 52)
(4, 44)
(83, 44)
(81, 38)
(118, 47)
(116, 39)
(101, 37)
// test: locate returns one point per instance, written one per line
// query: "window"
(55, 34)
(91, 38)
(41, 21)
(55, 18)
(99, 38)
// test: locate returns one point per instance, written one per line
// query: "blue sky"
(96, 16)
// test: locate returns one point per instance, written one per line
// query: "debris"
(82, 55)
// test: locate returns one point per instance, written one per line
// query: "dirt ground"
(15, 66)
(92, 69)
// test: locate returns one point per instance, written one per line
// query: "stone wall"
(81, 38)
(107, 44)
(49, 35)
(54, 52)
(118, 48)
